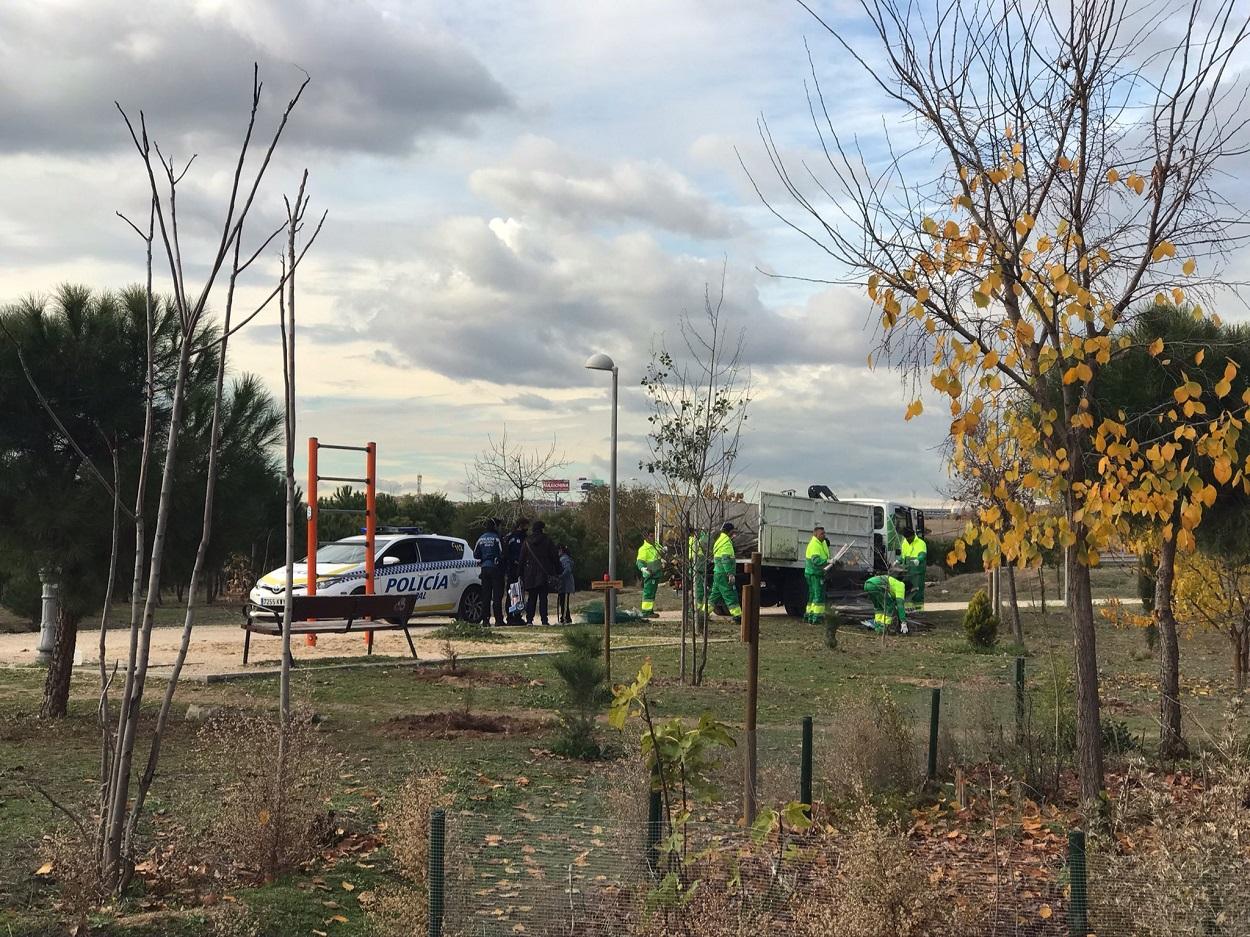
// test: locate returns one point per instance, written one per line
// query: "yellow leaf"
(1222, 388)
(922, 294)
(1202, 353)
(1189, 267)
(929, 226)
(348, 886)
(339, 919)
(1043, 243)
(1223, 470)
(1045, 912)
(1156, 347)
(950, 230)
(1112, 176)
(45, 869)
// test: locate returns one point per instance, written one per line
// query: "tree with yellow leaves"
(1213, 592)
(1044, 199)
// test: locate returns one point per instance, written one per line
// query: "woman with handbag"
(540, 572)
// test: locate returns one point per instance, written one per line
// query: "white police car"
(439, 571)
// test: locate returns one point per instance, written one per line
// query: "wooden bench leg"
(247, 644)
(412, 647)
(369, 643)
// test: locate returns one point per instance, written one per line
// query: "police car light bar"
(397, 530)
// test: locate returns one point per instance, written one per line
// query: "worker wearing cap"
(649, 567)
(817, 557)
(696, 553)
(914, 553)
(723, 561)
(886, 593)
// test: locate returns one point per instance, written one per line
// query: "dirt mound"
(457, 725)
(464, 676)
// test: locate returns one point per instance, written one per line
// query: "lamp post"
(601, 362)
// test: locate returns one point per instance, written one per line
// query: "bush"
(399, 910)
(980, 622)
(833, 621)
(581, 669)
(878, 753)
(264, 825)
(877, 888)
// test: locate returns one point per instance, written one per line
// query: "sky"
(509, 188)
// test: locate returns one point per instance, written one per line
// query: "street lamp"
(601, 362)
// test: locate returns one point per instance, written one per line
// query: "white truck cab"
(889, 520)
(439, 571)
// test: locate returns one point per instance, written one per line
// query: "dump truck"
(864, 538)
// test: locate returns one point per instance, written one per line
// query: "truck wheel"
(470, 609)
(794, 594)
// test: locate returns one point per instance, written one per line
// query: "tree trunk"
(1017, 628)
(1088, 719)
(60, 667)
(1171, 743)
(1041, 585)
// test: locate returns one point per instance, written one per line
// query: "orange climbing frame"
(314, 510)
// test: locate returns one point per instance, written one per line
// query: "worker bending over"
(914, 553)
(723, 561)
(814, 571)
(886, 594)
(649, 567)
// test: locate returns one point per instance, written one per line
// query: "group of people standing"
(522, 569)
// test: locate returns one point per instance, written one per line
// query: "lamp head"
(600, 362)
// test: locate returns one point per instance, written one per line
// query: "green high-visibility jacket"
(914, 550)
(817, 555)
(696, 547)
(724, 547)
(648, 556)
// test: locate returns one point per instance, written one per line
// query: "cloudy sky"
(510, 187)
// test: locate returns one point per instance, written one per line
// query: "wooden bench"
(333, 614)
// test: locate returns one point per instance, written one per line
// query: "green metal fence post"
(1019, 698)
(1078, 883)
(437, 861)
(935, 707)
(805, 764)
(655, 829)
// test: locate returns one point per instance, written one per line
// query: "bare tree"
(508, 473)
(122, 800)
(699, 401)
(1065, 163)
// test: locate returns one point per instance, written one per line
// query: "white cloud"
(547, 181)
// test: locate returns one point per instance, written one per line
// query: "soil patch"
(469, 676)
(458, 725)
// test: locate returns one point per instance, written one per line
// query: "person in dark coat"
(512, 547)
(540, 563)
(567, 586)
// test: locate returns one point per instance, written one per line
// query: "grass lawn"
(500, 779)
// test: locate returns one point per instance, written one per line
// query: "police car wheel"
(470, 609)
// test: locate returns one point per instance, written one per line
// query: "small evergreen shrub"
(580, 667)
(980, 622)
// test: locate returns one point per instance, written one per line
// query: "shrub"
(879, 751)
(833, 621)
(581, 669)
(877, 889)
(398, 910)
(265, 824)
(1186, 877)
(980, 622)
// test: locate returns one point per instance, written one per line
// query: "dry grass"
(265, 823)
(879, 751)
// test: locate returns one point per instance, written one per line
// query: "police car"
(439, 571)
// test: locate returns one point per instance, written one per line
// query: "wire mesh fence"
(986, 853)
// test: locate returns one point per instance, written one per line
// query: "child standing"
(567, 586)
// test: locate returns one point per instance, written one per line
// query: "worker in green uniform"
(817, 561)
(723, 562)
(886, 593)
(696, 552)
(649, 567)
(915, 557)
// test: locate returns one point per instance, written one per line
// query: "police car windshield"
(339, 553)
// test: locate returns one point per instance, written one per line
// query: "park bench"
(335, 614)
